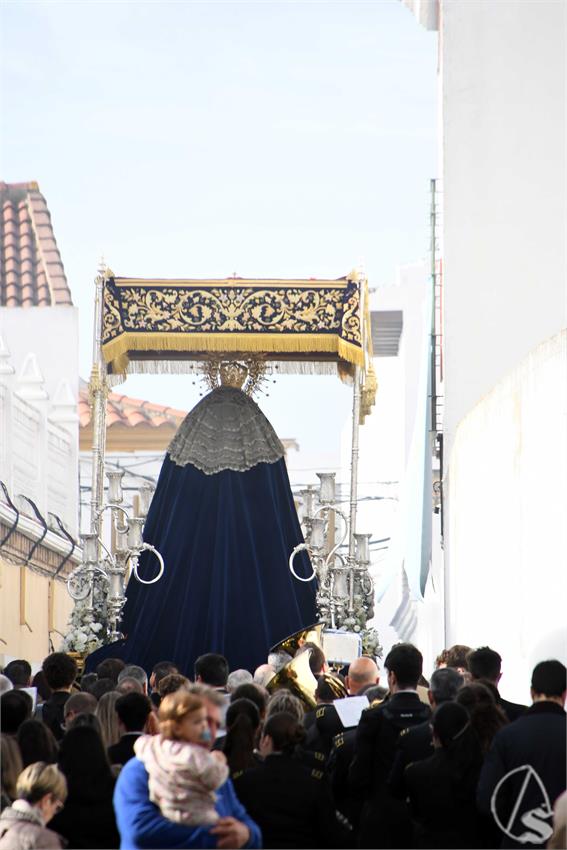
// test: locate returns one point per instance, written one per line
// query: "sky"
(202, 139)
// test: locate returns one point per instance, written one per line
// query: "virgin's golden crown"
(233, 374)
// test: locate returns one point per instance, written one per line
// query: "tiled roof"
(130, 412)
(31, 271)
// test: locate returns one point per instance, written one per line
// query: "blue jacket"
(141, 824)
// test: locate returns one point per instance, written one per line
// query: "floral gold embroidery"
(232, 309)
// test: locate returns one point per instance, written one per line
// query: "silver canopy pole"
(98, 392)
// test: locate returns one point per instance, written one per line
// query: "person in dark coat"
(291, 804)
(385, 820)
(487, 718)
(15, 708)
(485, 665)
(242, 726)
(60, 673)
(534, 748)
(442, 788)
(133, 710)
(37, 743)
(88, 817)
(416, 743)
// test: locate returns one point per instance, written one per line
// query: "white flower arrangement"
(88, 628)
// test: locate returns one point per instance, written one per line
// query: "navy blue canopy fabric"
(226, 540)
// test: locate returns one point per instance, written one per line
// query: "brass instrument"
(310, 634)
(296, 677)
(336, 685)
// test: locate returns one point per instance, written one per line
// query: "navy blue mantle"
(226, 540)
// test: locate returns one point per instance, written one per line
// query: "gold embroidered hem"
(277, 318)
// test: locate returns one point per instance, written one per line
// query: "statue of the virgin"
(224, 520)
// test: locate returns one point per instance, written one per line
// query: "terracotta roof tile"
(129, 412)
(31, 271)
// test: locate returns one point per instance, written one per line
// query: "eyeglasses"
(58, 805)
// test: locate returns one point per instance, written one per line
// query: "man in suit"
(60, 673)
(532, 746)
(362, 672)
(486, 664)
(416, 742)
(385, 820)
(212, 669)
(19, 673)
(133, 710)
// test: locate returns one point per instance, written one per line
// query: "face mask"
(206, 736)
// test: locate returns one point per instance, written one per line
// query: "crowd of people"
(117, 759)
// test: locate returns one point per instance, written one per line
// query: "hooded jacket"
(22, 828)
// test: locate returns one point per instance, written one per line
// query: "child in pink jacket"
(183, 774)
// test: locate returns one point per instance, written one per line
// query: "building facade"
(502, 88)
(38, 429)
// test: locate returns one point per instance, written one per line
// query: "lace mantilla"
(226, 430)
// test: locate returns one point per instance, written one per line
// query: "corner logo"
(524, 826)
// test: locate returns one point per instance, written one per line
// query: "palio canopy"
(284, 320)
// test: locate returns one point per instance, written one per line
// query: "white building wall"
(508, 534)
(503, 89)
(38, 408)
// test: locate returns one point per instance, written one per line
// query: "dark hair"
(254, 693)
(110, 668)
(86, 719)
(37, 743)
(101, 687)
(445, 682)
(19, 673)
(213, 669)
(285, 731)
(81, 703)
(171, 683)
(484, 663)
(87, 681)
(40, 682)
(457, 656)
(372, 692)
(453, 727)
(15, 708)
(163, 669)
(486, 717)
(406, 661)
(133, 710)
(242, 724)
(449, 722)
(316, 657)
(60, 670)
(549, 678)
(83, 760)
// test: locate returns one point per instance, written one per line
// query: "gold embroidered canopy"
(284, 320)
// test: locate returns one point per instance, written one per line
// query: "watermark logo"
(527, 827)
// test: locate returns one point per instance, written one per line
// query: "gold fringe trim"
(368, 395)
(116, 351)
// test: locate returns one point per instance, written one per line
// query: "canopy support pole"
(98, 393)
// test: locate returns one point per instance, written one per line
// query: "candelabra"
(101, 566)
(345, 590)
